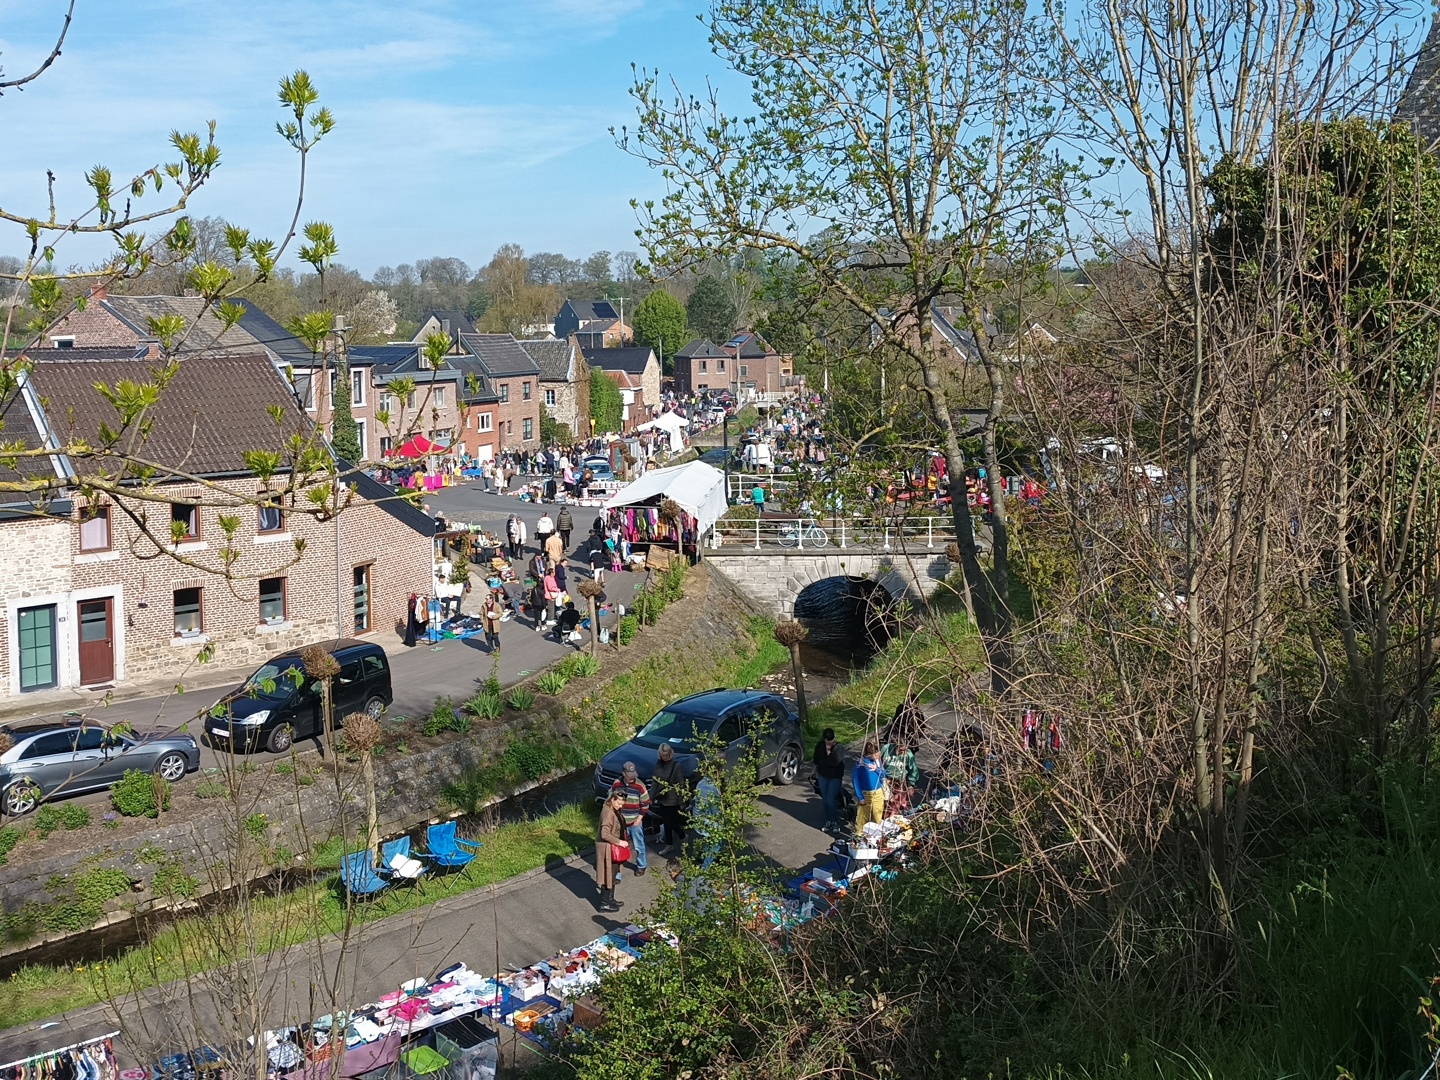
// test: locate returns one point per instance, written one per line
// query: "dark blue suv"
(731, 717)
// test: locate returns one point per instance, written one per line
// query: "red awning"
(419, 447)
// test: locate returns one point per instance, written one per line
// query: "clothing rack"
(61, 1049)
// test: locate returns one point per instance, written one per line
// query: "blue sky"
(462, 125)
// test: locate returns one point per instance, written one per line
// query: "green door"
(36, 628)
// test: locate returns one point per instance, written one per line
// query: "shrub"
(578, 666)
(628, 628)
(9, 837)
(138, 794)
(255, 826)
(67, 816)
(485, 705)
(492, 685)
(171, 880)
(552, 682)
(530, 758)
(521, 700)
(441, 718)
(210, 789)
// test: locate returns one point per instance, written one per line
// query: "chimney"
(99, 292)
(445, 327)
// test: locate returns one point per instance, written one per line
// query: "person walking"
(515, 534)
(491, 615)
(757, 496)
(537, 603)
(869, 781)
(830, 774)
(633, 812)
(543, 528)
(670, 789)
(412, 624)
(564, 525)
(610, 836)
(553, 592)
(554, 548)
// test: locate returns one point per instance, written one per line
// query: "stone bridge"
(774, 578)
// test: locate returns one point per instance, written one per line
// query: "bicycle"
(803, 533)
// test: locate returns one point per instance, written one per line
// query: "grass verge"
(191, 945)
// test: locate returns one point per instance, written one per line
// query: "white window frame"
(357, 386)
(438, 399)
(485, 421)
(386, 402)
(550, 397)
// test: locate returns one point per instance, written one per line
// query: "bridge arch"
(775, 579)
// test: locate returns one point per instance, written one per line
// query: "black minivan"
(279, 704)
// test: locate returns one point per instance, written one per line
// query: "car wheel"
(21, 797)
(171, 766)
(374, 707)
(280, 739)
(787, 765)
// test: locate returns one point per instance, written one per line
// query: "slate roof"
(700, 347)
(498, 354)
(266, 331)
(212, 411)
(17, 426)
(204, 330)
(384, 357)
(78, 354)
(459, 322)
(1420, 101)
(554, 358)
(633, 359)
(748, 346)
(592, 310)
(625, 380)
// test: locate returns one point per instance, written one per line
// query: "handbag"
(620, 853)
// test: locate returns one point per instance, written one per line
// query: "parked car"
(279, 703)
(599, 468)
(731, 717)
(61, 759)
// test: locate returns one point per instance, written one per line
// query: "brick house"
(759, 369)
(638, 362)
(98, 590)
(702, 365)
(432, 409)
(498, 363)
(595, 323)
(564, 382)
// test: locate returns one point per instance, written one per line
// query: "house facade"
(410, 397)
(638, 362)
(564, 382)
(511, 374)
(702, 365)
(132, 584)
(449, 323)
(596, 324)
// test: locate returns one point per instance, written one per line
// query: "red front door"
(97, 641)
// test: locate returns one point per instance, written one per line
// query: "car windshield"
(684, 731)
(276, 680)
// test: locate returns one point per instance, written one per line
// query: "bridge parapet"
(774, 578)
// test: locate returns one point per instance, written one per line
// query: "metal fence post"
(930, 532)
(887, 536)
(842, 532)
(757, 532)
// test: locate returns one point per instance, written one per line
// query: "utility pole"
(621, 300)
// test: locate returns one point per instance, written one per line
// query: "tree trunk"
(372, 810)
(594, 627)
(799, 683)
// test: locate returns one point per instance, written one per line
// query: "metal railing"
(911, 533)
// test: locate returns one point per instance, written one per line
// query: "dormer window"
(67, 342)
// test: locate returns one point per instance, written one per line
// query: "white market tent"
(697, 487)
(674, 426)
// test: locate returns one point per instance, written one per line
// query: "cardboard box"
(588, 1015)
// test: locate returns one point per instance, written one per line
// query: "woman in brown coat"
(612, 831)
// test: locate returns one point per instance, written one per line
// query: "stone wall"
(773, 579)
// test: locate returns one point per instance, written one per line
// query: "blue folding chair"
(443, 849)
(357, 874)
(408, 871)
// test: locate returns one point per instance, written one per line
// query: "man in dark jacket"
(830, 774)
(671, 789)
(563, 524)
